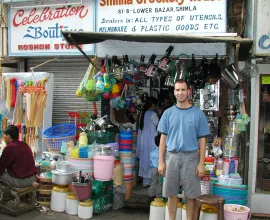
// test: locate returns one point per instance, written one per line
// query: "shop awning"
(97, 37)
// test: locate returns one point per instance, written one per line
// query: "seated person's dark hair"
(12, 131)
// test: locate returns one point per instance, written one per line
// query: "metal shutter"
(68, 73)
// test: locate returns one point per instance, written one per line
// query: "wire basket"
(60, 130)
(54, 144)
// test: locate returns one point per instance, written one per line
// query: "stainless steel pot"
(63, 166)
(60, 178)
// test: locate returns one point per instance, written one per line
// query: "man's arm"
(6, 159)
(202, 149)
(162, 149)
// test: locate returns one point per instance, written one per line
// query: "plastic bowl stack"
(233, 194)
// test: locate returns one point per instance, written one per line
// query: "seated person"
(155, 189)
(17, 164)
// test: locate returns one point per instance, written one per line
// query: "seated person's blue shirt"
(183, 128)
(154, 157)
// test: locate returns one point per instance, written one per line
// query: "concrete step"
(139, 198)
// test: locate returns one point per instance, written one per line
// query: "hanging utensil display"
(152, 69)
(165, 62)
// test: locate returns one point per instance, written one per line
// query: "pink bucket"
(231, 215)
(103, 167)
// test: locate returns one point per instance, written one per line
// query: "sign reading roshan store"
(37, 31)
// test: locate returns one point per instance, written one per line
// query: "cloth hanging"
(18, 110)
(27, 110)
(13, 92)
(33, 108)
(41, 106)
(3, 82)
(8, 93)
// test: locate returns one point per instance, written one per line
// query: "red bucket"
(123, 142)
(83, 190)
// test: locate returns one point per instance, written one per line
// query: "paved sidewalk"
(123, 214)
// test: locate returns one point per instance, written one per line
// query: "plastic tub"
(233, 215)
(103, 167)
(229, 181)
(229, 192)
(237, 202)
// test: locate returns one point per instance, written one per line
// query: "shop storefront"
(141, 50)
(259, 169)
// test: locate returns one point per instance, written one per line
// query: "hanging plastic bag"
(87, 76)
(118, 197)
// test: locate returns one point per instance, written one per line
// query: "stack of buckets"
(134, 160)
(125, 150)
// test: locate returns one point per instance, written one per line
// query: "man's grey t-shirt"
(183, 128)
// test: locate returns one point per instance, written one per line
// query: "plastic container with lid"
(184, 212)
(236, 162)
(178, 212)
(75, 152)
(85, 209)
(208, 213)
(83, 140)
(157, 209)
(72, 204)
(58, 198)
(219, 166)
(226, 166)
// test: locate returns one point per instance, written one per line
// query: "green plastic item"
(97, 187)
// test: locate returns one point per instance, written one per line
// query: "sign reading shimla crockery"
(162, 16)
(37, 31)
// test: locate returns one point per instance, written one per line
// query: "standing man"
(183, 129)
(17, 164)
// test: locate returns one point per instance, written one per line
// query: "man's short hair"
(12, 131)
(182, 81)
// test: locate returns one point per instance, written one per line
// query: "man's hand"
(200, 170)
(161, 168)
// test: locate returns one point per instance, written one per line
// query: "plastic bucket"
(103, 167)
(232, 215)
(128, 187)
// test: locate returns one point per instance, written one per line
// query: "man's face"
(7, 138)
(181, 92)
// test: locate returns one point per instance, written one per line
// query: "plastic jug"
(232, 166)
(75, 152)
(83, 140)
(157, 209)
(226, 166)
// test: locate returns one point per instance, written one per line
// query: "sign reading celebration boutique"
(37, 31)
(162, 16)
